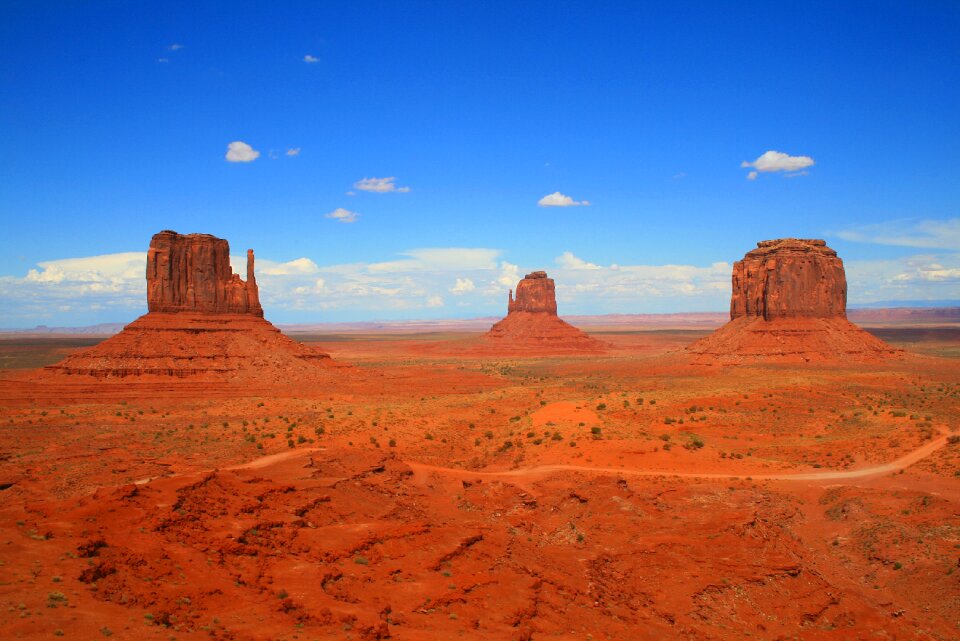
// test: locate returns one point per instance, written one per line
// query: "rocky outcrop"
(789, 304)
(204, 321)
(192, 273)
(532, 324)
(789, 278)
(535, 293)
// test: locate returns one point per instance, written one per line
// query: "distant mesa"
(203, 320)
(789, 303)
(532, 323)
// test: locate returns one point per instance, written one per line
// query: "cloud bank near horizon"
(438, 282)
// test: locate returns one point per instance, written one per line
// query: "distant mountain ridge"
(101, 329)
(894, 304)
(686, 320)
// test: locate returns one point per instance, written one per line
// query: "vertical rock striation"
(535, 293)
(192, 273)
(789, 278)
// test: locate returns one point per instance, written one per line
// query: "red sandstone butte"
(535, 293)
(191, 273)
(203, 320)
(532, 323)
(789, 303)
(789, 278)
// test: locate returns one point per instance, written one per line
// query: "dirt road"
(545, 470)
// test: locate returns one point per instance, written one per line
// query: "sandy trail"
(255, 464)
(546, 470)
(267, 461)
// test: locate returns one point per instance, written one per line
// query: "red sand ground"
(430, 491)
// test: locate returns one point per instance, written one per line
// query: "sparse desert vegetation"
(432, 492)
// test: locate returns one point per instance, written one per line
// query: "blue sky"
(117, 118)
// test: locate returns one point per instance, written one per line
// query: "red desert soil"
(426, 492)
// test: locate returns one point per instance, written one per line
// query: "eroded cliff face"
(789, 278)
(192, 273)
(535, 293)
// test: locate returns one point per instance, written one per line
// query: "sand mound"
(539, 331)
(790, 340)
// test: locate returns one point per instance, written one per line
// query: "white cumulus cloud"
(509, 274)
(175, 47)
(310, 59)
(296, 266)
(415, 284)
(380, 185)
(556, 199)
(239, 151)
(343, 215)
(107, 269)
(462, 286)
(774, 161)
(293, 151)
(907, 278)
(568, 261)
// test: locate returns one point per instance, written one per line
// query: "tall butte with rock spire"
(789, 303)
(192, 273)
(203, 320)
(532, 323)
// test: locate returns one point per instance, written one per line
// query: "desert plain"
(425, 487)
